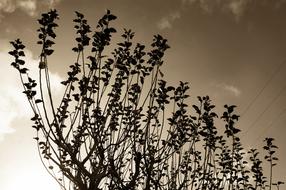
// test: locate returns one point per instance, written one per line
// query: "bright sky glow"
(28, 177)
(226, 49)
(14, 107)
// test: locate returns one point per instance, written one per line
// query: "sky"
(232, 50)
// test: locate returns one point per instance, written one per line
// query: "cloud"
(164, 23)
(13, 102)
(9, 98)
(30, 7)
(7, 6)
(236, 7)
(230, 88)
(167, 21)
(53, 3)
(206, 5)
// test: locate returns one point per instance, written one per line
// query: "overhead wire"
(276, 71)
(278, 68)
(266, 109)
(269, 126)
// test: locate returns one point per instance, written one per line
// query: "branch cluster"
(120, 126)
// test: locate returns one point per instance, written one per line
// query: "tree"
(119, 124)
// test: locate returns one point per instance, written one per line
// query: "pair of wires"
(260, 92)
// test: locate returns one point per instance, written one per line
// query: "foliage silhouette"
(120, 126)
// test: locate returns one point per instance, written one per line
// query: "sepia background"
(232, 50)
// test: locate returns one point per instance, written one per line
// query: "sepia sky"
(232, 50)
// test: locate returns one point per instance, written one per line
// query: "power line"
(264, 87)
(266, 109)
(269, 126)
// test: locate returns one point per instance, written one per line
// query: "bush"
(119, 125)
